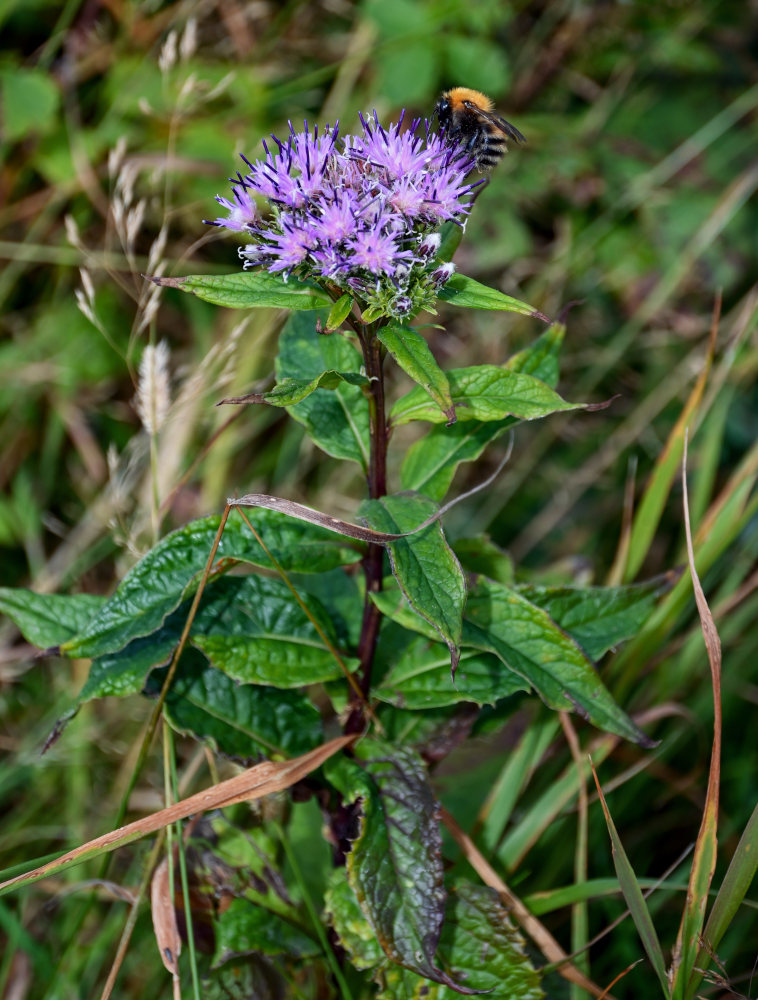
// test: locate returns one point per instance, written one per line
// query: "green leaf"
(480, 946)
(30, 100)
(451, 234)
(338, 422)
(48, 619)
(430, 463)
(245, 977)
(241, 721)
(124, 672)
(481, 555)
(372, 313)
(529, 642)
(630, 887)
(392, 603)
(481, 61)
(345, 915)
(252, 629)
(244, 927)
(250, 290)
(395, 865)
(463, 291)
(485, 392)
(171, 571)
(420, 679)
(339, 312)
(412, 353)
(597, 617)
(423, 564)
(292, 390)
(541, 358)
(342, 597)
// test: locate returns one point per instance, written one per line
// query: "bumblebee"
(467, 118)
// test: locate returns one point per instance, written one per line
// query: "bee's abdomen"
(492, 149)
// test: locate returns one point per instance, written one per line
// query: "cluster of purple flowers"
(362, 217)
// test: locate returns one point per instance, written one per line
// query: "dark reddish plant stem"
(373, 563)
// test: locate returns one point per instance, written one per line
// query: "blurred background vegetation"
(634, 199)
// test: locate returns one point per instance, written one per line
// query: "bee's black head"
(442, 111)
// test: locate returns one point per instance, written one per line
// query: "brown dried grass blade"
(704, 858)
(347, 528)
(165, 926)
(254, 783)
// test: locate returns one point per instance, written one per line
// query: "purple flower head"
(359, 214)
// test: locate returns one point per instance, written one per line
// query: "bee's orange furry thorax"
(457, 95)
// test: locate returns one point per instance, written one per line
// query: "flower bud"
(428, 246)
(442, 274)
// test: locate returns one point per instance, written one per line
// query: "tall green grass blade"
(634, 898)
(548, 807)
(649, 512)
(725, 520)
(710, 449)
(551, 900)
(737, 881)
(517, 770)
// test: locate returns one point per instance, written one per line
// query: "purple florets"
(242, 215)
(361, 216)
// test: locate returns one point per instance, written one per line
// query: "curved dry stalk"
(254, 783)
(526, 920)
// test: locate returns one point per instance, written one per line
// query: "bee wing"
(499, 123)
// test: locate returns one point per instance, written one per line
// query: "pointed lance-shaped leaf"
(250, 290)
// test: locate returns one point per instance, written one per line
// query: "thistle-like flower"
(360, 214)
